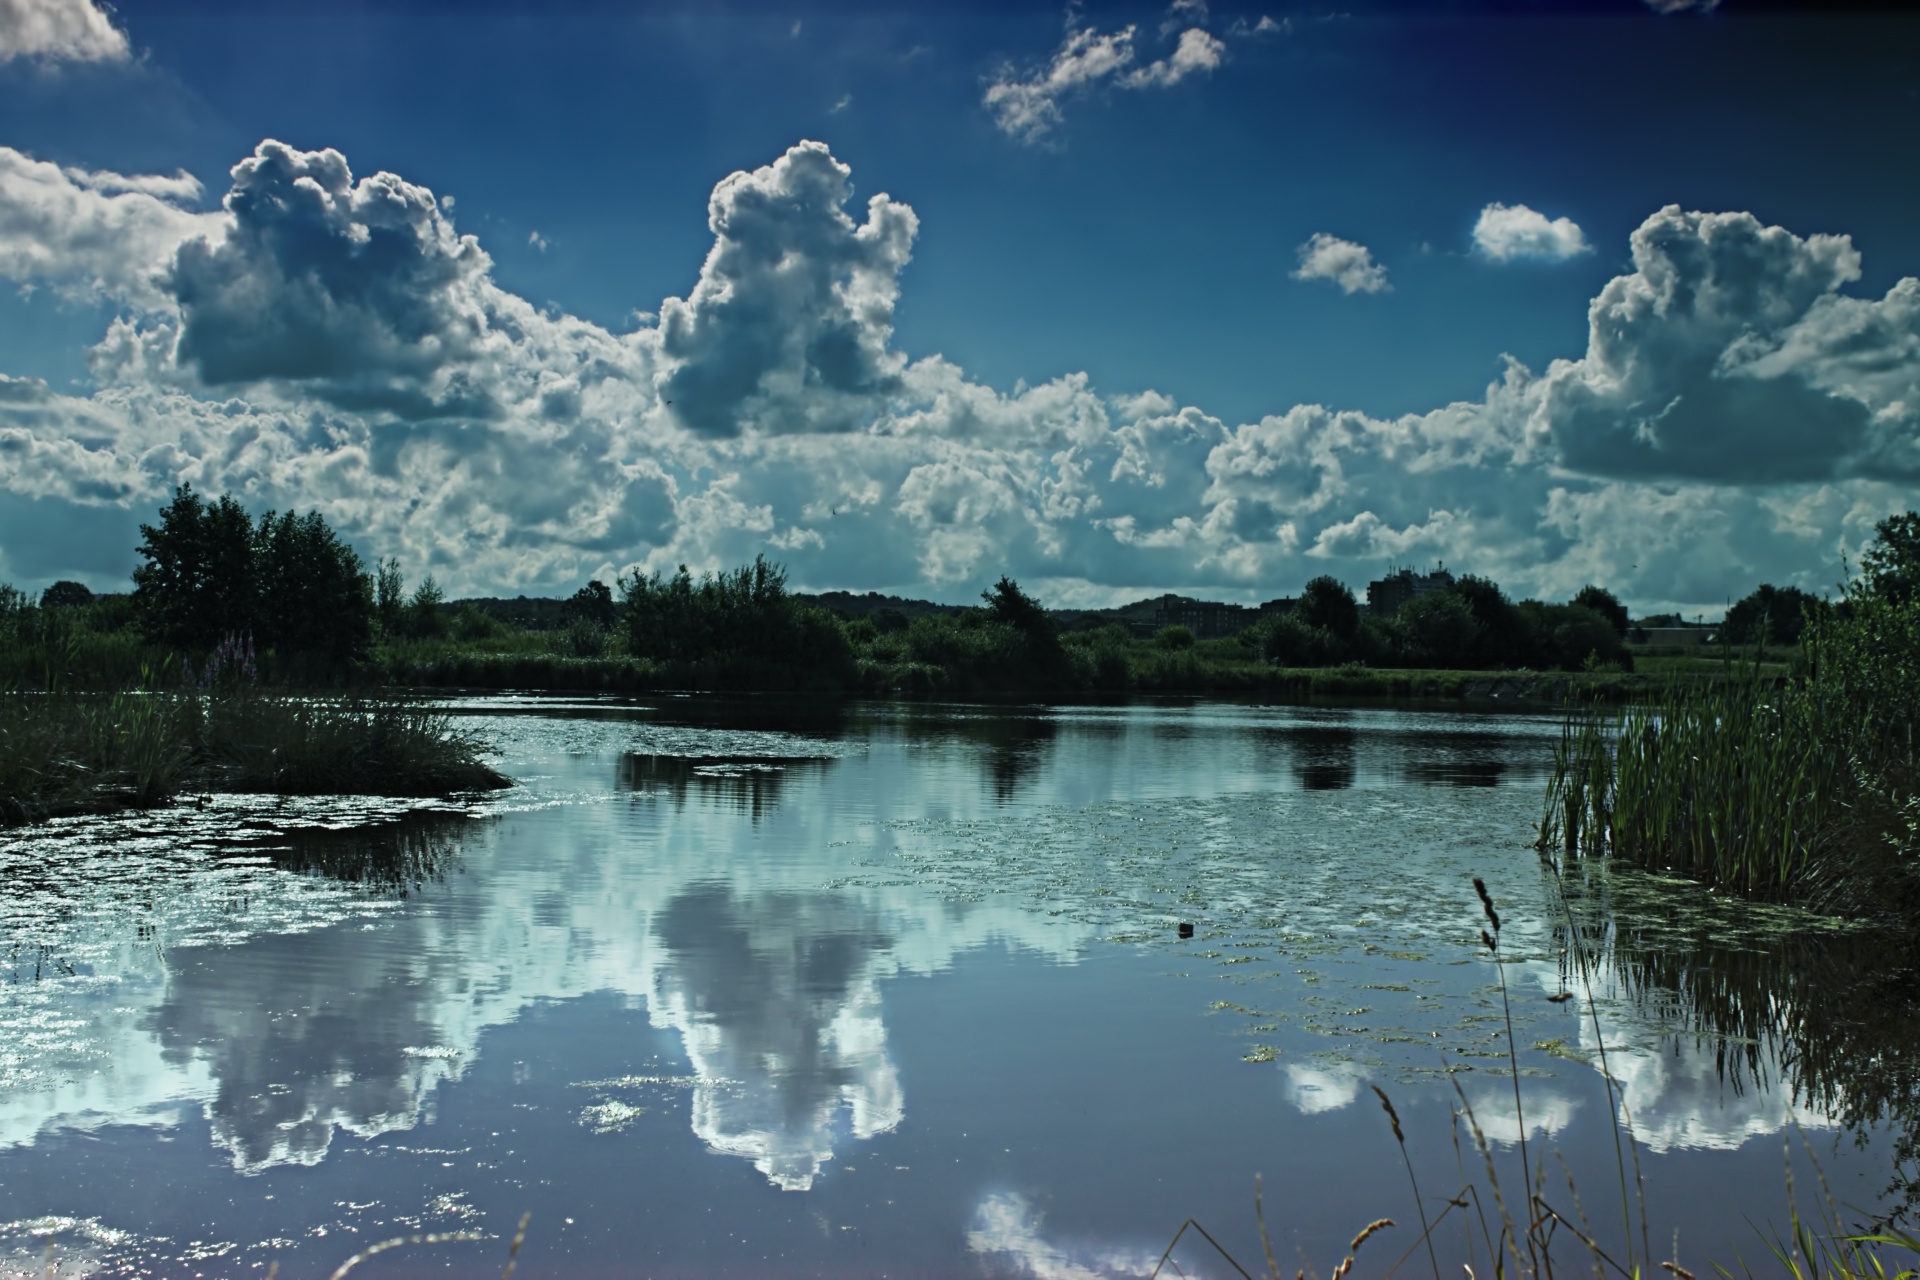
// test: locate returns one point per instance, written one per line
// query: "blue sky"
(1208, 297)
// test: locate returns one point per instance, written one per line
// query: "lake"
(737, 987)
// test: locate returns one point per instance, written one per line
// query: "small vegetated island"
(233, 666)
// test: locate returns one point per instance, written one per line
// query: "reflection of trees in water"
(418, 849)
(1014, 743)
(829, 718)
(745, 784)
(1016, 749)
(1325, 757)
(1831, 1016)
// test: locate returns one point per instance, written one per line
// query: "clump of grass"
(68, 753)
(65, 753)
(381, 745)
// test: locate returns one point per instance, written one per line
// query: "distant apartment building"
(1387, 596)
(1207, 619)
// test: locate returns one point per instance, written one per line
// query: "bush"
(66, 595)
(1775, 615)
(1439, 629)
(1293, 642)
(1174, 638)
(739, 627)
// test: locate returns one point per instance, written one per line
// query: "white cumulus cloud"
(788, 325)
(93, 235)
(329, 341)
(1027, 107)
(1349, 265)
(1505, 232)
(1196, 51)
(59, 30)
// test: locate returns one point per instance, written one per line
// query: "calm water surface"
(737, 988)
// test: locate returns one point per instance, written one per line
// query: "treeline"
(1469, 624)
(304, 608)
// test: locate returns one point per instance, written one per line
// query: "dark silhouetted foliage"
(290, 582)
(739, 626)
(1327, 604)
(594, 603)
(1174, 637)
(196, 584)
(1890, 568)
(1771, 615)
(1606, 604)
(1440, 629)
(311, 594)
(66, 595)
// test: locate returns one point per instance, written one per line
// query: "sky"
(1210, 297)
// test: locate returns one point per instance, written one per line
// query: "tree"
(1012, 607)
(1327, 604)
(1439, 629)
(1504, 639)
(1606, 604)
(1774, 615)
(424, 617)
(593, 603)
(390, 596)
(1581, 634)
(197, 583)
(312, 594)
(66, 595)
(1891, 565)
(290, 583)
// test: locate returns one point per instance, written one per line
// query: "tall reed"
(1800, 790)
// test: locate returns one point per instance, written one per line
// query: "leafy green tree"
(312, 594)
(290, 583)
(1008, 605)
(1036, 659)
(1292, 642)
(196, 584)
(594, 603)
(1439, 630)
(1891, 566)
(1327, 604)
(1505, 640)
(742, 618)
(424, 614)
(390, 597)
(1606, 604)
(66, 595)
(1774, 615)
(1583, 636)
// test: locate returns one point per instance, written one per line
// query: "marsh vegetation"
(1805, 790)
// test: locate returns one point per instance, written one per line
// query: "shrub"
(1174, 638)
(1771, 615)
